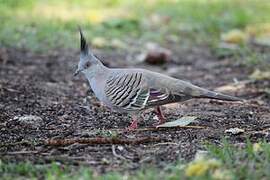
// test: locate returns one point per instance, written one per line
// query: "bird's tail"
(220, 96)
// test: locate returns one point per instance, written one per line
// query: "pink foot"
(133, 125)
(161, 118)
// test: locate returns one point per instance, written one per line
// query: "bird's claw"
(132, 126)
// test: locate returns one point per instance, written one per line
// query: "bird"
(133, 90)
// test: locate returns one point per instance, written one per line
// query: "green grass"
(221, 162)
(252, 162)
(41, 25)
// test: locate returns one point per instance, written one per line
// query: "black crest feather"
(84, 46)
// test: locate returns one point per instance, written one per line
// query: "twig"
(21, 152)
(182, 127)
(154, 129)
(165, 128)
(16, 143)
(166, 143)
(100, 140)
(11, 90)
(252, 104)
(62, 159)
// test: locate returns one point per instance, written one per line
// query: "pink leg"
(134, 124)
(160, 115)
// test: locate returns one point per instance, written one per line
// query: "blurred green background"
(40, 25)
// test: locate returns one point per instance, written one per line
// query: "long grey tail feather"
(220, 96)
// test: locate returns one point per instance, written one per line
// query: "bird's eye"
(87, 65)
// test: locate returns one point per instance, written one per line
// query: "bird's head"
(87, 58)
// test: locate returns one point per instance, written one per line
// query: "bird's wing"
(131, 91)
(137, 90)
(160, 96)
(127, 91)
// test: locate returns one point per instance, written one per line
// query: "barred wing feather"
(126, 91)
(129, 92)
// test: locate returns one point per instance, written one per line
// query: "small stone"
(105, 161)
(235, 131)
(157, 57)
(155, 54)
(31, 121)
(120, 148)
(200, 154)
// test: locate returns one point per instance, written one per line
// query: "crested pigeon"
(134, 90)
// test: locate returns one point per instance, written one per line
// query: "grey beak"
(77, 72)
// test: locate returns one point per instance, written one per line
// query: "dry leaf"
(260, 33)
(258, 29)
(260, 75)
(234, 36)
(183, 121)
(222, 174)
(257, 147)
(199, 167)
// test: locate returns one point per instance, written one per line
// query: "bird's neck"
(96, 70)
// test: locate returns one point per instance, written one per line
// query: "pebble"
(235, 131)
(30, 121)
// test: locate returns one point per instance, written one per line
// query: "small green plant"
(226, 161)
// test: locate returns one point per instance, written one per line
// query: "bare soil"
(43, 86)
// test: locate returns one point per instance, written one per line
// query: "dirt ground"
(64, 107)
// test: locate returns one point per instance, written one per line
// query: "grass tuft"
(227, 161)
